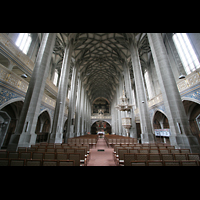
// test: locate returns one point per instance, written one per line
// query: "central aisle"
(101, 158)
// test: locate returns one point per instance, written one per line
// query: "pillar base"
(59, 138)
(12, 146)
(71, 134)
(147, 138)
(26, 140)
(21, 140)
(132, 133)
(185, 142)
(78, 134)
(55, 138)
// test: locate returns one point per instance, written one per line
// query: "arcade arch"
(101, 126)
(192, 109)
(13, 110)
(43, 126)
(160, 121)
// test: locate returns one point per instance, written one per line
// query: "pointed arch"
(11, 101)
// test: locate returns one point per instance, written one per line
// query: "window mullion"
(24, 41)
(184, 53)
(20, 41)
(191, 51)
(181, 53)
(189, 56)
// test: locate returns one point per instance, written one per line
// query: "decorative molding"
(6, 95)
(17, 84)
(101, 117)
(14, 53)
(189, 88)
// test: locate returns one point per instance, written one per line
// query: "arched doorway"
(101, 126)
(43, 127)
(13, 110)
(4, 124)
(65, 129)
(192, 110)
(160, 121)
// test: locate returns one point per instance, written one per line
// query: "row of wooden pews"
(113, 140)
(153, 155)
(75, 153)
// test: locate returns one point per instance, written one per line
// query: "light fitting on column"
(24, 76)
(181, 76)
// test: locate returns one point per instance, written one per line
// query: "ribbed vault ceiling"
(100, 57)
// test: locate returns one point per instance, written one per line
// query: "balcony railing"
(182, 84)
(14, 80)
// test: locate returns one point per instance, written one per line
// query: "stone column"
(180, 130)
(58, 119)
(129, 93)
(72, 100)
(145, 123)
(83, 113)
(88, 116)
(33, 45)
(81, 109)
(25, 130)
(121, 130)
(118, 130)
(113, 114)
(122, 113)
(78, 112)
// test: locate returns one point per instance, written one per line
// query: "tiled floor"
(101, 158)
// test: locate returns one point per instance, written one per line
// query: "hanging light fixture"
(181, 76)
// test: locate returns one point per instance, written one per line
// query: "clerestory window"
(186, 52)
(55, 79)
(149, 89)
(24, 41)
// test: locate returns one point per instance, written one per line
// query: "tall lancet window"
(147, 80)
(186, 52)
(24, 42)
(55, 79)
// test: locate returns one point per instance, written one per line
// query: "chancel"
(99, 99)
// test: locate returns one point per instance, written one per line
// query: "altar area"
(101, 134)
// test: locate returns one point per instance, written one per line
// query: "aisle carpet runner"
(102, 155)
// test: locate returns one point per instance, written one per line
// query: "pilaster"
(70, 126)
(78, 111)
